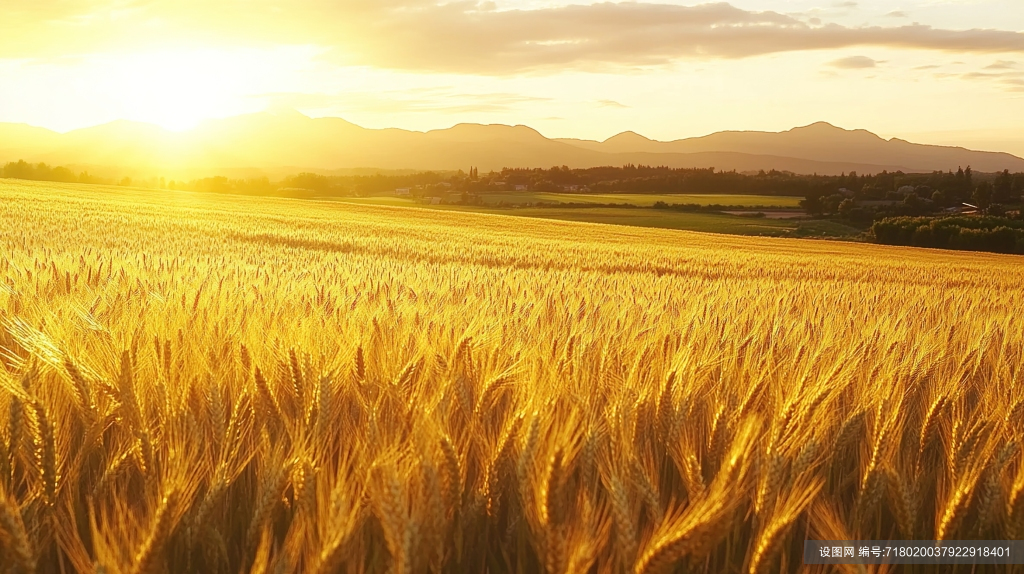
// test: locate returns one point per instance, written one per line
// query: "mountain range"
(277, 143)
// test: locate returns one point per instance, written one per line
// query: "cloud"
(1002, 74)
(1002, 65)
(979, 76)
(854, 63)
(611, 104)
(651, 34)
(463, 36)
(896, 14)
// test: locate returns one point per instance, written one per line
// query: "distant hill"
(272, 142)
(28, 141)
(820, 142)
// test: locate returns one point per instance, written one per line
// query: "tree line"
(648, 179)
(984, 233)
(823, 193)
(43, 172)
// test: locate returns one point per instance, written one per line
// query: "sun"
(178, 89)
(174, 89)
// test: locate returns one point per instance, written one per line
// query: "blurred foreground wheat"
(197, 384)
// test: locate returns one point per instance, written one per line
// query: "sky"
(931, 71)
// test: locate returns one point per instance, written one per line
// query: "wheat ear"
(147, 556)
(16, 538)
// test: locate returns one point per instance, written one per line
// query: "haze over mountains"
(289, 142)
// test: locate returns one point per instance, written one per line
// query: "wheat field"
(197, 383)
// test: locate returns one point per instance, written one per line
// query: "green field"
(646, 217)
(378, 200)
(640, 199)
(706, 222)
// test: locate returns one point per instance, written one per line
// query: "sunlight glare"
(177, 89)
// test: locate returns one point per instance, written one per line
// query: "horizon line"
(293, 111)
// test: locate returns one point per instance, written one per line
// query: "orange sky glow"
(948, 72)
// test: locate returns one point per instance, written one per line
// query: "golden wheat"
(194, 383)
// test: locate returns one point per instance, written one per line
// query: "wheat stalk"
(15, 537)
(625, 527)
(146, 559)
(45, 451)
(775, 529)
